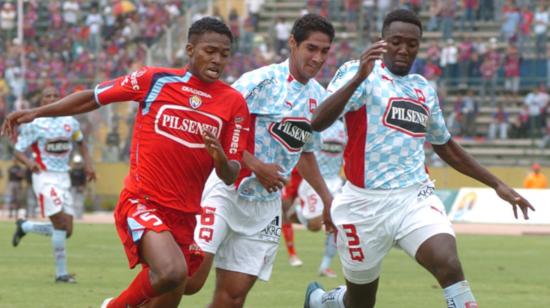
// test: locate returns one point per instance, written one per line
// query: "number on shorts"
(207, 219)
(312, 202)
(355, 250)
(148, 216)
(55, 198)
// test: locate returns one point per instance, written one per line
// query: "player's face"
(208, 55)
(307, 58)
(403, 43)
(49, 95)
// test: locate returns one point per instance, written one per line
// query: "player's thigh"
(162, 254)
(251, 254)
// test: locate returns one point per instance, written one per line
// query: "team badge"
(67, 127)
(195, 101)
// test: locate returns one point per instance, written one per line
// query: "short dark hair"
(208, 24)
(403, 15)
(308, 23)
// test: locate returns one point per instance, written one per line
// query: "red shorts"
(135, 216)
(290, 191)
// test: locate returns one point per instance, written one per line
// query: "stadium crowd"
(72, 44)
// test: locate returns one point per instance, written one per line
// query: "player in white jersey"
(241, 224)
(51, 141)
(309, 211)
(388, 199)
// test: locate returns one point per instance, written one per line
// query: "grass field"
(503, 272)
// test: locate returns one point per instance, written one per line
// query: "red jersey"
(168, 160)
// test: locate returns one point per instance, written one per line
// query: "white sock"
(459, 295)
(331, 299)
(43, 228)
(330, 251)
(59, 238)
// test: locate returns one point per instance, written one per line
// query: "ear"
(292, 42)
(189, 48)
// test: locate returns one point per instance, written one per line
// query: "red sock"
(288, 234)
(139, 291)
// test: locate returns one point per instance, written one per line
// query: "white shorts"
(237, 248)
(310, 202)
(52, 190)
(371, 222)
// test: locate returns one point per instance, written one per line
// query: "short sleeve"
(132, 87)
(437, 130)
(344, 74)
(77, 135)
(27, 136)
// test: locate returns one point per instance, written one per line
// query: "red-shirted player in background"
(188, 124)
(289, 194)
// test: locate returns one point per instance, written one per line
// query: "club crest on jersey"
(292, 133)
(195, 101)
(407, 116)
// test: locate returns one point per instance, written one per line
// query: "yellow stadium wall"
(111, 177)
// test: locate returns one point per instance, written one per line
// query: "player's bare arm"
(454, 155)
(88, 168)
(76, 103)
(227, 170)
(309, 170)
(332, 106)
(30, 163)
(269, 175)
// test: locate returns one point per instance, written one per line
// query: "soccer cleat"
(295, 261)
(19, 233)
(65, 279)
(327, 272)
(311, 287)
(106, 302)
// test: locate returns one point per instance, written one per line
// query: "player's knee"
(449, 270)
(234, 300)
(171, 277)
(315, 224)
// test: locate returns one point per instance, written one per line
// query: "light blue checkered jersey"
(331, 154)
(51, 141)
(388, 119)
(281, 110)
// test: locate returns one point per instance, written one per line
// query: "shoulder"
(317, 88)
(258, 75)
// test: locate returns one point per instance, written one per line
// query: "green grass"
(503, 272)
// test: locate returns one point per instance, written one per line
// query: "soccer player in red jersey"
(188, 124)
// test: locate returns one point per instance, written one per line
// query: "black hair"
(310, 23)
(208, 24)
(403, 15)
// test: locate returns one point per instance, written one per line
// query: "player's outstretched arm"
(75, 103)
(331, 108)
(227, 170)
(454, 155)
(309, 170)
(28, 162)
(269, 175)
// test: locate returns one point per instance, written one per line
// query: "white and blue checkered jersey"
(388, 119)
(330, 155)
(51, 141)
(281, 109)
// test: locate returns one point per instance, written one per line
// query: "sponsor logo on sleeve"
(133, 79)
(292, 133)
(407, 116)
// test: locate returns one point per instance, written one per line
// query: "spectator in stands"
(536, 179)
(432, 72)
(94, 21)
(435, 15)
(524, 31)
(447, 18)
(499, 122)
(71, 9)
(235, 27)
(454, 120)
(519, 127)
(78, 185)
(8, 18)
(512, 70)
(536, 101)
(469, 7)
(31, 203)
(511, 19)
(382, 8)
(449, 60)
(14, 188)
(282, 33)
(489, 72)
(541, 20)
(469, 110)
(465, 48)
(434, 52)
(486, 10)
(254, 7)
